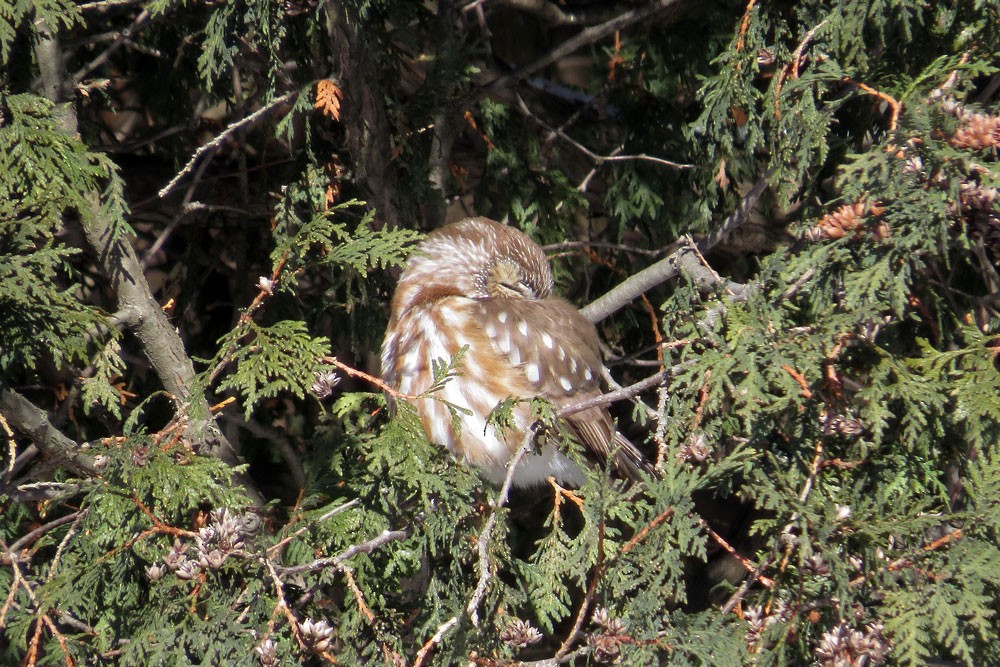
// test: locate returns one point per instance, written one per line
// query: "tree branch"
(625, 393)
(671, 266)
(34, 422)
(553, 14)
(366, 126)
(160, 341)
(596, 157)
(365, 547)
(582, 39)
(215, 143)
(482, 545)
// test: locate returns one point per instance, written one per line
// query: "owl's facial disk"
(503, 280)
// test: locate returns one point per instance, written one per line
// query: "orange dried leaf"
(721, 178)
(328, 97)
(482, 135)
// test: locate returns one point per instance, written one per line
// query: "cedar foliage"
(831, 402)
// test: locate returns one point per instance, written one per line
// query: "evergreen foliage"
(825, 423)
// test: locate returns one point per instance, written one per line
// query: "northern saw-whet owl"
(488, 287)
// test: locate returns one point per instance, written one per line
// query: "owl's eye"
(520, 288)
(504, 280)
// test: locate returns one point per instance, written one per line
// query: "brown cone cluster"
(977, 131)
(851, 218)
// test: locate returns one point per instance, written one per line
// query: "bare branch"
(583, 38)
(182, 212)
(107, 4)
(625, 393)
(366, 547)
(435, 639)
(670, 267)
(566, 245)
(326, 515)
(34, 422)
(160, 341)
(472, 609)
(121, 38)
(553, 14)
(215, 143)
(599, 159)
(33, 535)
(482, 545)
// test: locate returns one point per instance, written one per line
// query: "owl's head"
(477, 258)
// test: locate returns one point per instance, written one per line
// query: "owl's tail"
(629, 462)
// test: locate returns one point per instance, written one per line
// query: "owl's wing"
(557, 351)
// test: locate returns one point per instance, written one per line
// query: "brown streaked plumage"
(488, 287)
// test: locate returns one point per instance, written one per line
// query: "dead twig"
(366, 547)
(217, 142)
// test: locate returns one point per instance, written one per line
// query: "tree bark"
(363, 114)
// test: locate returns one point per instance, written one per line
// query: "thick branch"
(160, 341)
(671, 267)
(31, 420)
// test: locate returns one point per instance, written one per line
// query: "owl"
(487, 288)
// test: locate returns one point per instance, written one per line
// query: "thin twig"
(745, 587)
(613, 386)
(30, 537)
(182, 212)
(625, 393)
(580, 40)
(527, 443)
(141, 20)
(588, 599)
(552, 13)
(107, 4)
(601, 569)
(366, 547)
(472, 608)
(904, 563)
(738, 596)
(391, 657)
(215, 143)
(326, 515)
(378, 382)
(435, 639)
(745, 562)
(894, 105)
(792, 68)
(282, 606)
(596, 157)
(566, 245)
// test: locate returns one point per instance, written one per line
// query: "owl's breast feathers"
(434, 333)
(512, 348)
